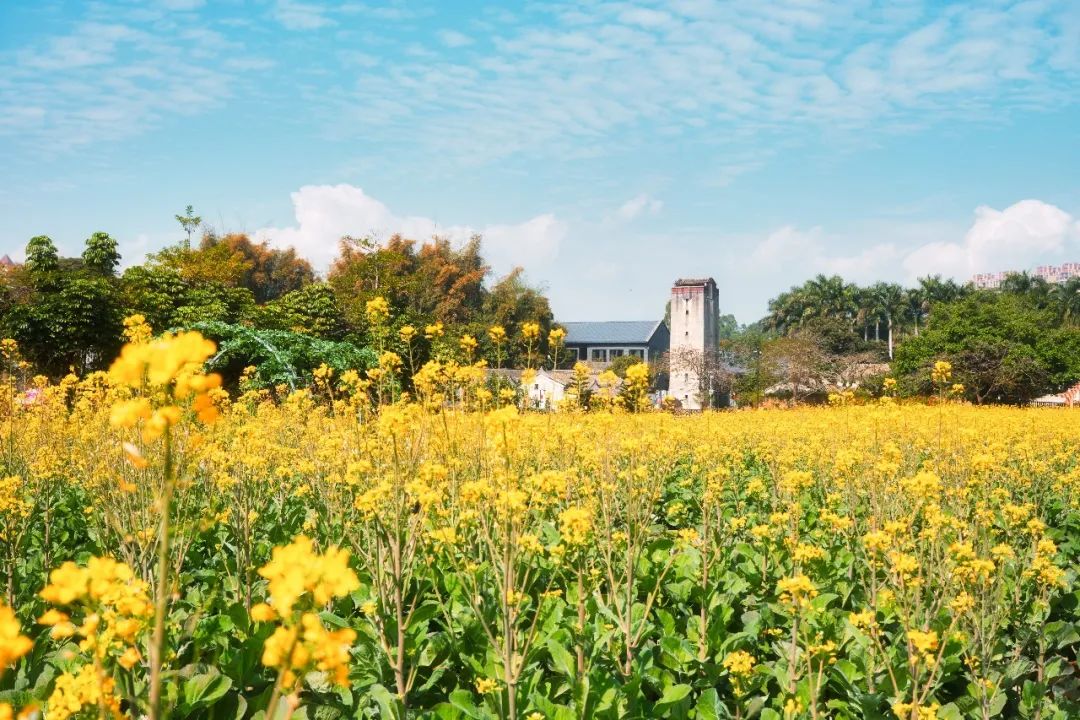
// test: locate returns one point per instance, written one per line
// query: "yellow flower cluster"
(13, 644)
(486, 685)
(162, 361)
(88, 688)
(941, 372)
(13, 504)
(300, 582)
(297, 569)
(575, 524)
(137, 330)
(924, 643)
(906, 711)
(377, 310)
(170, 363)
(112, 608)
(1043, 569)
(296, 649)
(796, 592)
(739, 662)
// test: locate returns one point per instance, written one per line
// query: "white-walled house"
(548, 388)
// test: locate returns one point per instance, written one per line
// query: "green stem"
(157, 646)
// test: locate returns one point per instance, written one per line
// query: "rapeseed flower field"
(170, 550)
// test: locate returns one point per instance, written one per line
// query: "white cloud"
(326, 213)
(638, 206)
(1016, 238)
(182, 4)
(645, 17)
(454, 39)
(786, 245)
(1019, 237)
(91, 44)
(294, 15)
(106, 80)
(575, 78)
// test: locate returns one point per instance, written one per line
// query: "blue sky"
(607, 147)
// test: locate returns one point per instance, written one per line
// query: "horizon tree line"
(883, 310)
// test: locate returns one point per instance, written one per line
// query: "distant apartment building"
(1058, 273)
(1049, 273)
(990, 281)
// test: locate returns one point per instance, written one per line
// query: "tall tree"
(41, 256)
(190, 222)
(830, 296)
(101, 255)
(1066, 298)
(889, 302)
(312, 310)
(268, 272)
(512, 302)
(214, 263)
(1003, 348)
(1023, 283)
(914, 307)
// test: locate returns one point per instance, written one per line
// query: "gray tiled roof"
(628, 332)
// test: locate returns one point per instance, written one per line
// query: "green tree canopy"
(101, 255)
(41, 256)
(1003, 347)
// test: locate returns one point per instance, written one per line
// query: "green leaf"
(673, 694)
(949, 712)
(708, 705)
(997, 703)
(463, 701)
(561, 658)
(205, 689)
(388, 704)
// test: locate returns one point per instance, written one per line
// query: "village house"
(602, 342)
(548, 388)
(1066, 398)
(684, 348)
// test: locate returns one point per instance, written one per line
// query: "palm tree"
(864, 302)
(1033, 286)
(1066, 297)
(889, 302)
(785, 311)
(934, 290)
(915, 306)
(830, 296)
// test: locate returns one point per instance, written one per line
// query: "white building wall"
(693, 328)
(545, 392)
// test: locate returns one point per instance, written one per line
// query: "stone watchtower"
(694, 304)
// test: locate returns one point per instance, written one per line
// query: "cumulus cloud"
(787, 244)
(1016, 238)
(638, 206)
(1019, 237)
(326, 213)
